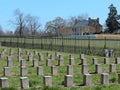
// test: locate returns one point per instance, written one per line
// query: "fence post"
(11, 41)
(51, 43)
(46, 44)
(21, 41)
(33, 41)
(88, 45)
(75, 45)
(65, 45)
(55, 45)
(4, 40)
(17, 41)
(71, 45)
(105, 43)
(41, 42)
(83, 46)
(62, 45)
(24, 42)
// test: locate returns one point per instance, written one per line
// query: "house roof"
(81, 23)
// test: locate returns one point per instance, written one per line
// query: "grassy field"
(110, 43)
(93, 46)
(36, 82)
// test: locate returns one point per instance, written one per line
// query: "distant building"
(90, 26)
(65, 31)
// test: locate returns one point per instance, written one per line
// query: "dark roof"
(81, 23)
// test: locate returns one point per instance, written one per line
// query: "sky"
(48, 10)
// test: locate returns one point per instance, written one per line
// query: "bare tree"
(75, 19)
(33, 24)
(9, 33)
(52, 27)
(49, 28)
(25, 31)
(19, 21)
(1, 30)
(66, 31)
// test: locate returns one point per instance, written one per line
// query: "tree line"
(28, 25)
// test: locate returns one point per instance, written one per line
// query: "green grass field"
(110, 43)
(36, 82)
(93, 46)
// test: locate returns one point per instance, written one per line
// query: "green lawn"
(87, 46)
(36, 82)
(110, 43)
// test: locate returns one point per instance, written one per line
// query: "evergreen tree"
(112, 20)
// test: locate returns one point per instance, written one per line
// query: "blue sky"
(47, 10)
